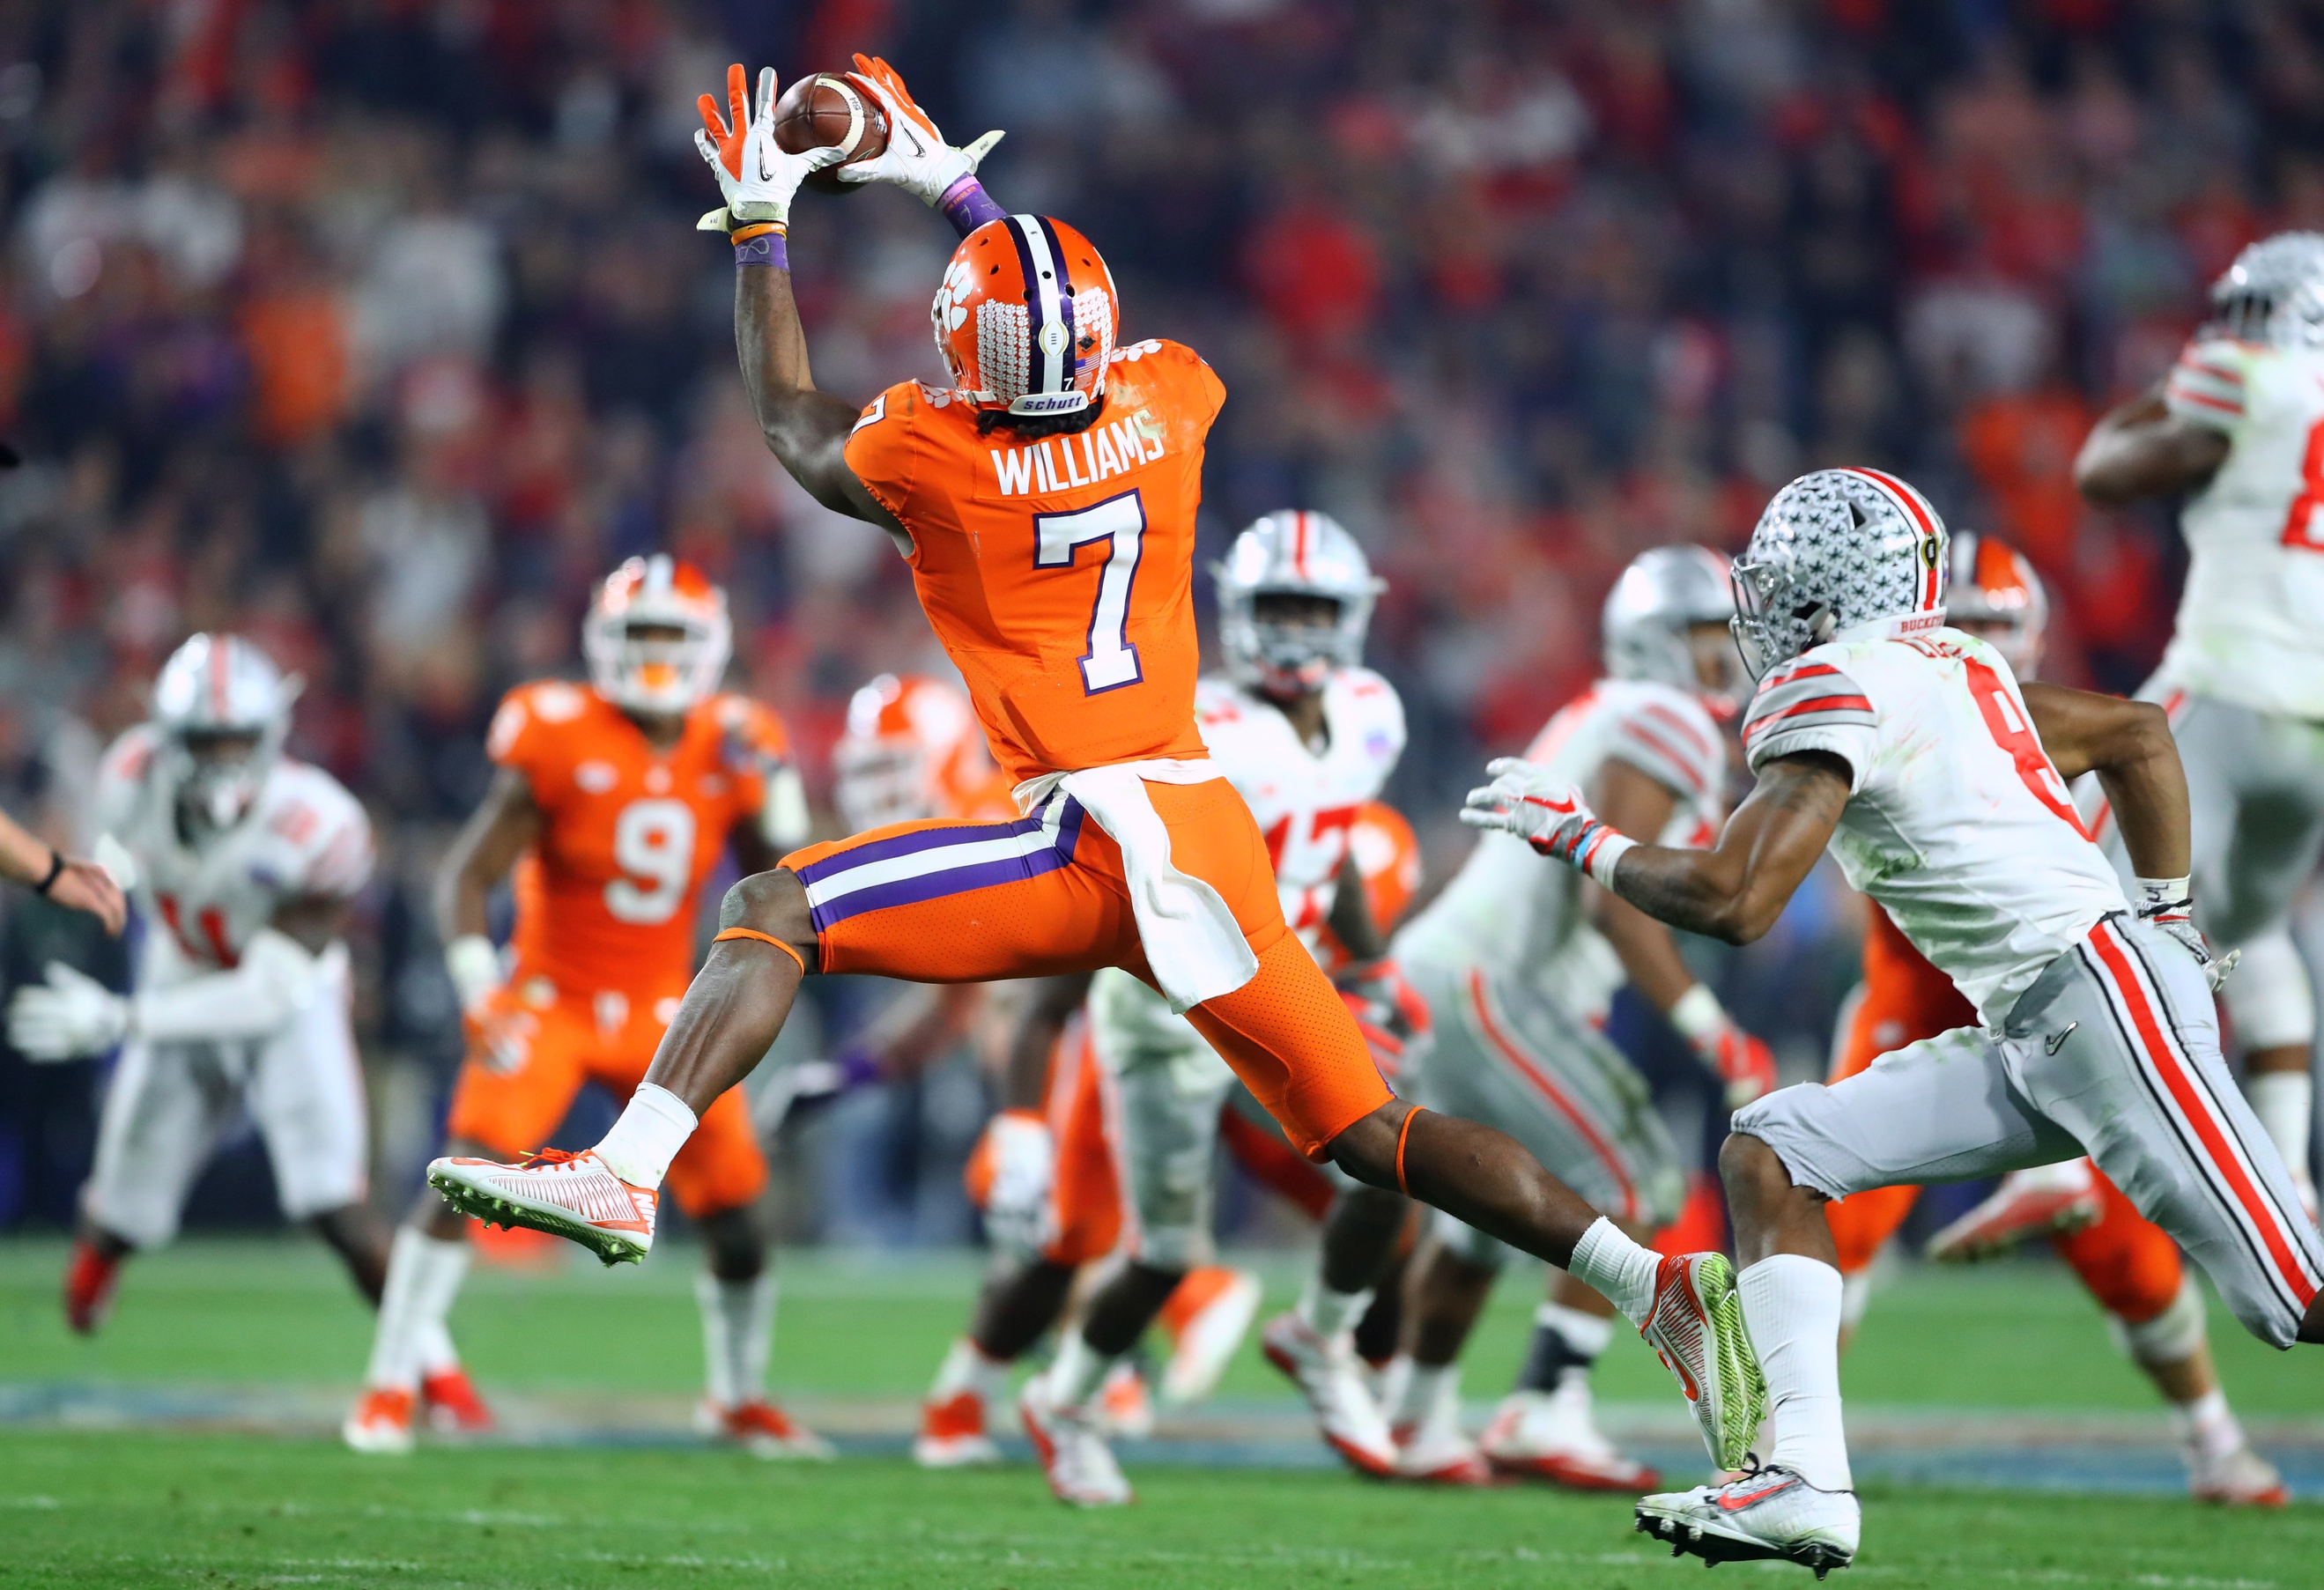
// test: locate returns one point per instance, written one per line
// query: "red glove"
(1744, 1063)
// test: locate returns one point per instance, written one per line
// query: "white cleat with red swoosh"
(570, 1195)
(1763, 1515)
(1696, 1329)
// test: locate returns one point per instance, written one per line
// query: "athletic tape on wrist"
(761, 248)
(746, 933)
(967, 205)
(1604, 847)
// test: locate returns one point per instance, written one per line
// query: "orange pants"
(533, 1046)
(944, 902)
(2126, 1260)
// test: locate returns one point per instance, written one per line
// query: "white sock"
(424, 1276)
(1587, 1333)
(436, 1353)
(2284, 1102)
(1430, 1399)
(653, 1127)
(1326, 1312)
(1791, 1305)
(2208, 1425)
(965, 1368)
(1077, 1371)
(738, 1336)
(1621, 1270)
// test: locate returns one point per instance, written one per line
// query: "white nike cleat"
(1208, 1338)
(1553, 1436)
(1769, 1513)
(2239, 1477)
(380, 1423)
(1075, 1458)
(1432, 1455)
(2050, 1200)
(569, 1195)
(953, 1433)
(1695, 1327)
(761, 1430)
(1331, 1377)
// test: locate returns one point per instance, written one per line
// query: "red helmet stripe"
(1920, 514)
(221, 656)
(1299, 542)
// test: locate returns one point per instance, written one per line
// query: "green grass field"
(123, 1507)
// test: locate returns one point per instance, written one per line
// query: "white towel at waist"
(1192, 940)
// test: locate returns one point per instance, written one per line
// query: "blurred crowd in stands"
(379, 330)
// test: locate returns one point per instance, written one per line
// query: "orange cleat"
(380, 1423)
(453, 1406)
(953, 1433)
(765, 1430)
(2052, 1200)
(1206, 1318)
(90, 1280)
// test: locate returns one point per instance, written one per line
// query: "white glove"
(755, 177)
(1548, 812)
(71, 1016)
(916, 159)
(1017, 1212)
(475, 965)
(2169, 903)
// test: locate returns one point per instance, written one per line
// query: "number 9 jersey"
(1058, 573)
(604, 900)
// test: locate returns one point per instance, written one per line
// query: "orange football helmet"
(681, 654)
(1026, 317)
(1388, 858)
(1997, 595)
(912, 751)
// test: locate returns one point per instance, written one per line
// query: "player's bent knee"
(773, 903)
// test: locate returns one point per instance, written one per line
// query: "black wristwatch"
(56, 871)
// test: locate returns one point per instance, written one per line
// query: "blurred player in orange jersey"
(613, 803)
(2154, 1309)
(1045, 504)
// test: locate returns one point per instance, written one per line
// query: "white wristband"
(476, 968)
(1697, 1015)
(2157, 893)
(1599, 855)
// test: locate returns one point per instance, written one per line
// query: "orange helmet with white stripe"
(1997, 595)
(657, 637)
(912, 751)
(1026, 317)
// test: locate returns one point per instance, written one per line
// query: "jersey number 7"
(1120, 523)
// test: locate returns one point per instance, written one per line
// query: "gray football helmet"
(1296, 553)
(214, 686)
(1835, 549)
(2274, 293)
(1643, 631)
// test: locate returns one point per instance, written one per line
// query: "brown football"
(818, 111)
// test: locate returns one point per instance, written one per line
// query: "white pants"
(169, 1104)
(2115, 1052)
(2256, 796)
(1168, 1085)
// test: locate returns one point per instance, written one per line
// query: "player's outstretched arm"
(918, 159)
(82, 885)
(2129, 746)
(1351, 920)
(500, 829)
(1734, 891)
(2141, 449)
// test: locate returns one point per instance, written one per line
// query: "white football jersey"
(304, 837)
(1305, 803)
(1957, 823)
(1512, 914)
(2251, 620)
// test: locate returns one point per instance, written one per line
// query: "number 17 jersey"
(1058, 573)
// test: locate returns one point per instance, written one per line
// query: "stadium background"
(378, 331)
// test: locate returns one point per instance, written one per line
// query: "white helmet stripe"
(1046, 298)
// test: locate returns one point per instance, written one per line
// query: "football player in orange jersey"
(2155, 1310)
(612, 803)
(1046, 503)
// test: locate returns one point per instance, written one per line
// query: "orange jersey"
(605, 898)
(1058, 575)
(1906, 998)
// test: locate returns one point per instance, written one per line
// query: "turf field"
(263, 1337)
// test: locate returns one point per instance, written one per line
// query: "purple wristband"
(967, 205)
(766, 249)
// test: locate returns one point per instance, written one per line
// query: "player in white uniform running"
(1306, 734)
(244, 862)
(1939, 784)
(2238, 429)
(1519, 962)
